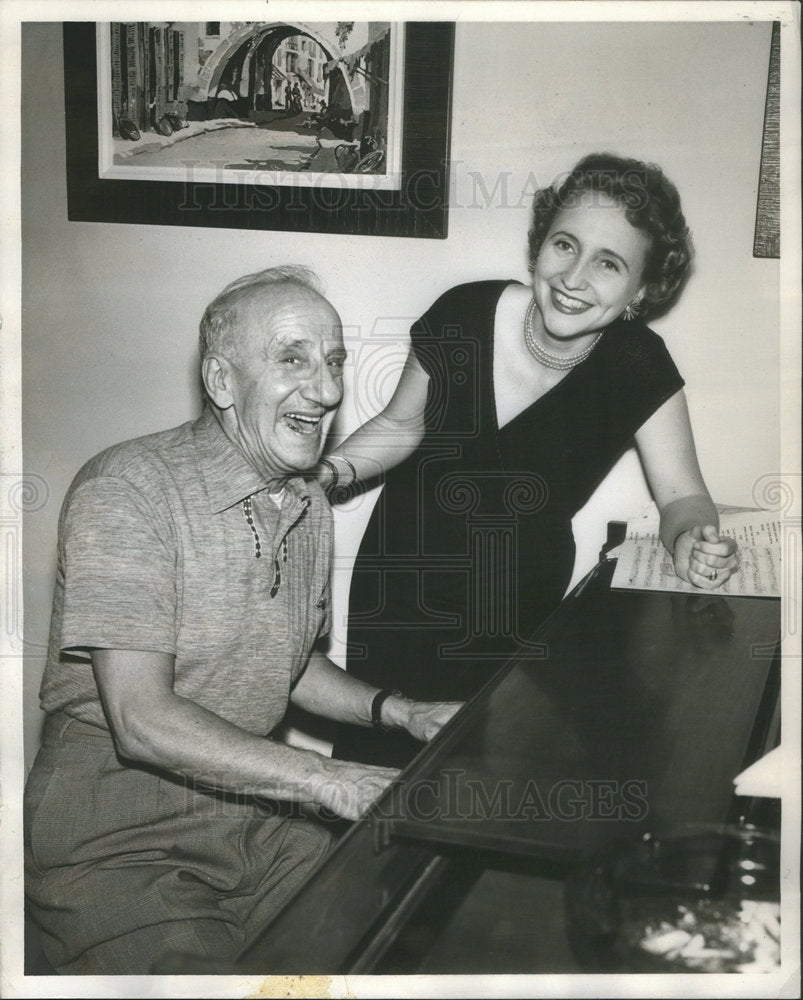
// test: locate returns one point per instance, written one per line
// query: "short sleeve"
(452, 344)
(118, 561)
(427, 340)
(647, 369)
(624, 381)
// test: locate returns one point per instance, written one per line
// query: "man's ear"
(216, 373)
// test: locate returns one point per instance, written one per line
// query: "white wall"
(111, 311)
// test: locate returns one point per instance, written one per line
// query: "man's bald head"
(220, 329)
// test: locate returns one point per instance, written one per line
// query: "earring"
(631, 310)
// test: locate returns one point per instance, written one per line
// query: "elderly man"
(193, 581)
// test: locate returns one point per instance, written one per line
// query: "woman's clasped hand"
(705, 558)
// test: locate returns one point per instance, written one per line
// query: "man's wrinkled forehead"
(287, 313)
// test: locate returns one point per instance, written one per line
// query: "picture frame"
(416, 205)
(767, 233)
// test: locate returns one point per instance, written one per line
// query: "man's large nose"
(324, 387)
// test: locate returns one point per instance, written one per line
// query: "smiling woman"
(589, 268)
(514, 404)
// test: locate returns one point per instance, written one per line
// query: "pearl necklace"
(554, 361)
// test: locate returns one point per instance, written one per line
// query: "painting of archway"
(332, 127)
(260, 98)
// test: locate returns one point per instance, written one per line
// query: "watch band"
(376, 708)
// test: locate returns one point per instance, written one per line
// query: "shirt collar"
(228, 477)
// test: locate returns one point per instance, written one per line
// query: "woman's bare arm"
(388, 438)
(689, 519)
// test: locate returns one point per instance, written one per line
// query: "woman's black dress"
(470, 545)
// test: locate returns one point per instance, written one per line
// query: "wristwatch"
(376, 708)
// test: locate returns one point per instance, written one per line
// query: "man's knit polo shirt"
(156, 553)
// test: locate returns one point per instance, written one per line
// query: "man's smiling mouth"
(302, 423)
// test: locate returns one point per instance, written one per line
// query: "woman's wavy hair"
(652, 205)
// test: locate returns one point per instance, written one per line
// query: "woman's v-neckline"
(491, 387)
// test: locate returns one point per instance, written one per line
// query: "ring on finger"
(713, 575)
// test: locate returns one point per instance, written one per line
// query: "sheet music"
(644, 564)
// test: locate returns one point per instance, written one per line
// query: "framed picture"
(767, 237)
(336, 127)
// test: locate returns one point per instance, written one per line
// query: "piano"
(632, 721)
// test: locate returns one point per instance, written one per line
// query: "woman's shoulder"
(484, 287)
(627, 335)
(470, 295)
(632, 346)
